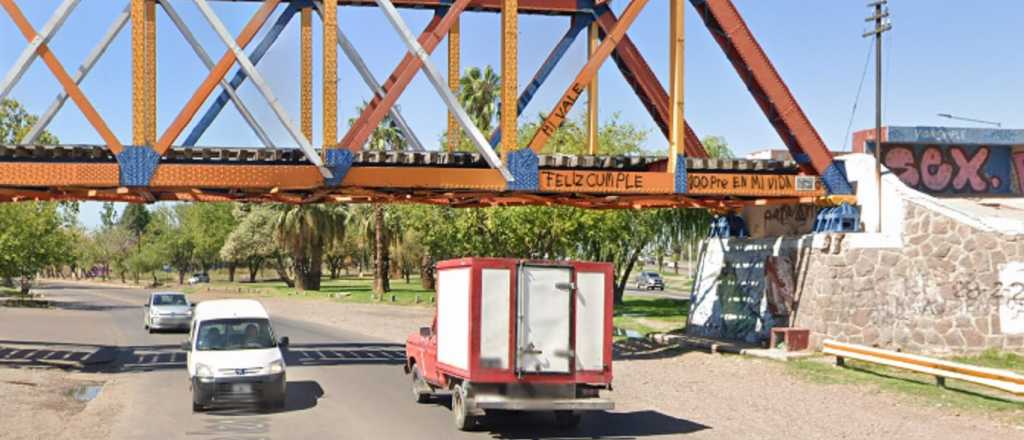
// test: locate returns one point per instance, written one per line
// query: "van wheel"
(567, 419)
(197, 407)
(463, 420)
(418, 384)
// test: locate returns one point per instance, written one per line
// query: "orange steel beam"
(65, 80)
(150, 68)
(138, 17)
(558, 115)
(214, 78)
(375, 111)
(509, 76)
(307, 178)
(454, 73)
(677, 39)
(593, 37)
(330, 71)
(306, 73)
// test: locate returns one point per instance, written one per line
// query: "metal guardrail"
(1007, 381)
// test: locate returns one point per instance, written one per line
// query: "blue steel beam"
(240, 76)
(578, 24)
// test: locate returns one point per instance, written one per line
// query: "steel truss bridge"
(161, 166)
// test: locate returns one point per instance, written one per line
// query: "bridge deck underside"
(90, 172)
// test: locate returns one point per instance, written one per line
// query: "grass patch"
(650, 315)
(345, 289)
(995, 359)
(920, 388)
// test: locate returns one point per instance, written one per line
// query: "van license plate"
(242, 388)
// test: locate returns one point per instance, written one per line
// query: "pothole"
(85, 392)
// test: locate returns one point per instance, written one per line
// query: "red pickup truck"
(517, 335)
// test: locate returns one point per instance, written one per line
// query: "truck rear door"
(543, 318)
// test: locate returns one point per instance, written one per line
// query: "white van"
(233, 357)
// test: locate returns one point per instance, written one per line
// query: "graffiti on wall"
(955, 169)
(780, 273)
(734, 296)
(1011, 309)
(779, 220)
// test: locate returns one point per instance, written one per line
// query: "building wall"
(950, 289)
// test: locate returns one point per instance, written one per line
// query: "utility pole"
(881, 26)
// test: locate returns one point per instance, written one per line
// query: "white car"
(233, 356)
(167, 310)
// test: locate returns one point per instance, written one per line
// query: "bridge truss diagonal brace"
(31, 52)
(261, 85)
(579, 23)
(90, 60)
(441, 86)
(208, 62)
(42, 50)
(236, 81)
(364, 72)
(554, 120)
(770, 92)
(645, 83)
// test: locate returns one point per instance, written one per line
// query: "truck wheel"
(418, 384)
(197, 407)
(463, 420)
(567, 419)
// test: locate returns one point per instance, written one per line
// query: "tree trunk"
(381, 284)
(231, 271)
(26, 284)
(282, 271)
(620, 284)
(181, 277)
(426, 273)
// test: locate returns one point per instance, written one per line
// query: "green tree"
(108, 215)
(135, 218)
(173, 245)
(208, 226)
(717, 147)
(16, 121)
(304, 232)
(31, 239)
(251, 243)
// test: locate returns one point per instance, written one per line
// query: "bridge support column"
(677, 51)
(454, 74)
(592, 116)
(509, 76)
(306, 72)
(330, 67)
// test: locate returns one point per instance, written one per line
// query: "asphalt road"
(340, 384)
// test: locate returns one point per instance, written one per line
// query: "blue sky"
(941, 57)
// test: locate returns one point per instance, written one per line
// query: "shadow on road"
(595, 424)
(302, 395)
(142, 358)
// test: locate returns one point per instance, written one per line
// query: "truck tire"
(567, 419)
(418, 384)
(197, 407)
(463, 420)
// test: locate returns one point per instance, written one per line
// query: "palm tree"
(304, 232)
(381, 226)
(385, 137)
(479, 94)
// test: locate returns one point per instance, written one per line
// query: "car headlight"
(204, 373)
(276, 367)
(188, 312)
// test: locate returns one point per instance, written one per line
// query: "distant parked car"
(167, 310)
(650, 281)
(199, 278)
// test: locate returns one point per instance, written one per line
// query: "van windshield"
(235, 334)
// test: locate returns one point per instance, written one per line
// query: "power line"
(856, 98)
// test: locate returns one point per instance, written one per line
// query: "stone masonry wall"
(942, 293)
